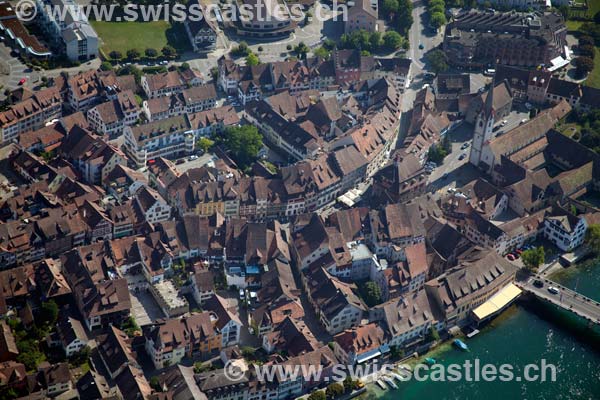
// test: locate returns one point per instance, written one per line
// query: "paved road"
(567, 299)
(421, 33)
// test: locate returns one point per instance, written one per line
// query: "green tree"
(252, 60)
(242, 50)
(133, 54)
(437, 61)
(396, 352)
(81, 357)
(375, 41)
(584, 65)
(317, 395)
(371, 293)
(155, 384)
(436, 154)
(244, 143)
(334, 390)
(587, 50)
(592, 238)
(433, 334)
(329, 44)
(301, 50)
(437, 19)
(106, 66)
(390, 7)
(168, 51)
(321, 52)
(115, 55)
(49, 313)
(533, 258)
(586, 40)
(205, 144)
(404, 19)
(349, 384)
(392, 40)
(130, 326)
(151, 53)
(437, 8)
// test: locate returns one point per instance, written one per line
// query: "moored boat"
(390, 382)
(430, 361)
(381, 384)
(461, 345)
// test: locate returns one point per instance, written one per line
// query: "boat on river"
(461, 345)
(390, 382)
(381, 384)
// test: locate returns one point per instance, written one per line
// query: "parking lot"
(191, 162)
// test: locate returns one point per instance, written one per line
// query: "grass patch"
(593, 78)
(569, 129)
(574, 25)
(123, 36)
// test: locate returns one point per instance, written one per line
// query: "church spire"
(488, 108)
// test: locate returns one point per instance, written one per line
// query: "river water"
(525, 334)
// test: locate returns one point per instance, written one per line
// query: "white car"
(553, 290)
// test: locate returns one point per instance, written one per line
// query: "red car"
(510, 257)
(520, 251)
(22, 81)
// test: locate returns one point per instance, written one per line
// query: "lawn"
(593, 78)
(574, 25)
(569, 129)
(123, 36)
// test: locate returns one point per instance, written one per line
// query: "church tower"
(484, 126)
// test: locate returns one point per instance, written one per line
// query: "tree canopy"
(533, 258)
(437, 61)
(317, 395)
(371, 293)
(584, 65)
(252, 59)
(592, 238)
(244, 143)
(334, 390)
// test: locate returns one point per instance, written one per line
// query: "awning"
(497, 302)
(367, 356)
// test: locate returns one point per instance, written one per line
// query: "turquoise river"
(524, 334)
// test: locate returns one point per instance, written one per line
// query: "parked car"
(421, 47)
(465, 145)
(510, 257)
(22, 81)
(445, 176)
(462, 156)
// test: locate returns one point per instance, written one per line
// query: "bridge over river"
(566, 298)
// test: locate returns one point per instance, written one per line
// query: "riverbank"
(523, 334)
